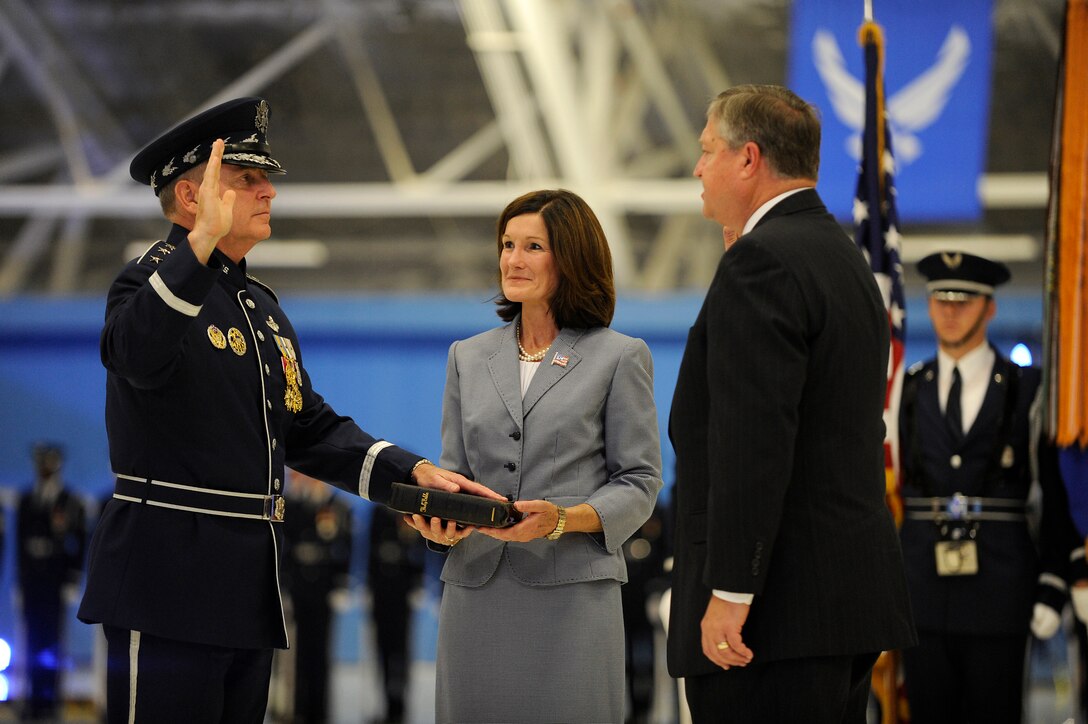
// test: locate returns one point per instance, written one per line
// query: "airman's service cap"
(241, 123)
(956, 277)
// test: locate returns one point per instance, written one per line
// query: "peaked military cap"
(242, 124)
(955, 277)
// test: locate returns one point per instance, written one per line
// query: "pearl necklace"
(522, 354)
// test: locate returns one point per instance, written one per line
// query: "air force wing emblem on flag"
(937, 78)
(911, 110)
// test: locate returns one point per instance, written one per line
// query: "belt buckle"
(957, 506)
(274, 507)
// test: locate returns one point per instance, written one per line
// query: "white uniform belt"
(973, 508)
(176, 496)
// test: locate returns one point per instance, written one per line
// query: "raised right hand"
(214, 213)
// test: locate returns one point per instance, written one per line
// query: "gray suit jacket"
(586, 432)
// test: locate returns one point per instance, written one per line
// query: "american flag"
(877, 234)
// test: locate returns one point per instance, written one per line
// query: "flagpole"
(868, 11)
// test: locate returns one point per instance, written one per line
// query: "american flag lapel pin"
(560, 359)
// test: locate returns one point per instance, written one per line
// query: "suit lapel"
(552, 368)
(506, 373)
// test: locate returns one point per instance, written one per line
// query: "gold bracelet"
(559, 525)
(412, 472)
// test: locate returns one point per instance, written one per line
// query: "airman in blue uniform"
(207, 399)
(972, 458)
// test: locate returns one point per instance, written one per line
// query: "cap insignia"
(191, 156)
(262, 117)
(154, 181)
(169, 168)
(952, 261)
(251, 139)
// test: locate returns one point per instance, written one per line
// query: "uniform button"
(276, 484)
(267, 371)
(511, 466)
(955, 461)
(516, 434)
(250, 304)
(274, 441)
(269, 404)
(260, 335)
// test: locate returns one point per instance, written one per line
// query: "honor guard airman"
(51, 529)
(207, 399)
(978, 582)
(316, 565)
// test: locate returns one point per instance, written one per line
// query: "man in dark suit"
(978, 581)
(788, 578)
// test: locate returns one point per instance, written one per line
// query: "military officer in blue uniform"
(207, 399)
(978, 580)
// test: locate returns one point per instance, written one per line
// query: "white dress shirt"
(975, 369)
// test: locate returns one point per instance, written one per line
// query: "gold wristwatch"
(560, 525)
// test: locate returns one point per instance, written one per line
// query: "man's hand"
(429, 475)
(214, 213)
(721, 625)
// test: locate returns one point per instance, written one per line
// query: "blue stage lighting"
(1021, 355)
(5, 655)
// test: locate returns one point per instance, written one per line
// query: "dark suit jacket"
(778, 430)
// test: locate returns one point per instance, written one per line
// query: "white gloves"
(1080, 602)
(1045, 620)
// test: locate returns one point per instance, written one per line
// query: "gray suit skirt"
(510, 652)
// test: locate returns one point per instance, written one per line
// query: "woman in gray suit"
(555, 410)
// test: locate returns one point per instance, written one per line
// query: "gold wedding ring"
(723, 645)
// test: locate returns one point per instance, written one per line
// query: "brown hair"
(784, 126)
(585, 296)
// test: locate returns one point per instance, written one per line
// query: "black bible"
(460, 507)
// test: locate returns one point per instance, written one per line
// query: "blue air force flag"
(937, 86)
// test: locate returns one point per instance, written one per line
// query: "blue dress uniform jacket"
(186, 407)
(999, 598)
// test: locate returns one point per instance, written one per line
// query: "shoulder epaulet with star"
(156, 252)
